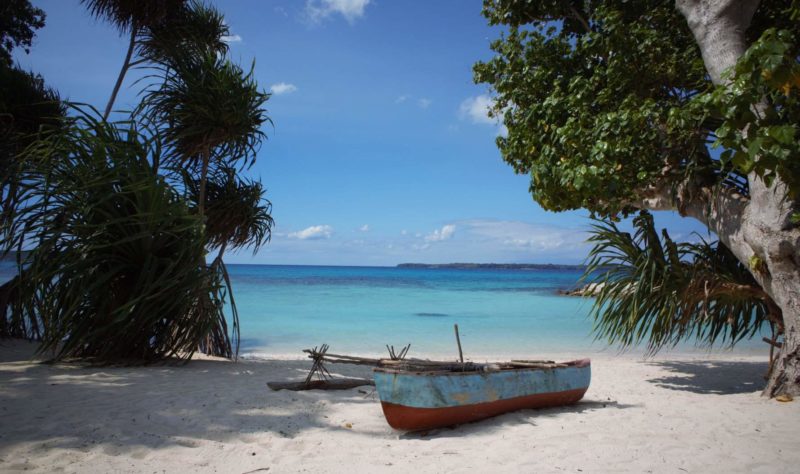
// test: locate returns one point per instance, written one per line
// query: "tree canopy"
(691, 105)
(19, 21)
(605, 101)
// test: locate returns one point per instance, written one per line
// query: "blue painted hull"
(423, 400)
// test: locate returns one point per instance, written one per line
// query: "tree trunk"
(201, 193)
(122, 72)
(757, 230)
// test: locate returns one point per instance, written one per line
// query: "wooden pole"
(458, 340)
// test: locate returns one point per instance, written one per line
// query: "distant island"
(496, 266)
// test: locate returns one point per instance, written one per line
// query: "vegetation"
(688, 106)
(212, 111)
(662, 292)
(115, 211)
(115, 272)
(133, 17)
(19, 21)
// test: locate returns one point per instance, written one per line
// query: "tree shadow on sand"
(712, 377)
(123, 409)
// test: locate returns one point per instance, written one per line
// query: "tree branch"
(580, 18)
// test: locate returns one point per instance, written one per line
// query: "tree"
(27, 106)
(18, 22)
(661, 291)
(212, 111)
(612, 106)
(114, 274)
(117, 269)
(238, 215)
(132, 17)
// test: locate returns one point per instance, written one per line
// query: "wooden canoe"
(424, 399)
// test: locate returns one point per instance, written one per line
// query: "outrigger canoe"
(419, 397)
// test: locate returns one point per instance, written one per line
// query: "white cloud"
(476, 109)
(232, 39)
(402, 99)
(351, 10)
(444, 233)
(282, 88)
(525, 236)
(364, 228)
(424, 103)
(313, 233)
(403, 232)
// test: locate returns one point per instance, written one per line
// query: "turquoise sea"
(359, 310)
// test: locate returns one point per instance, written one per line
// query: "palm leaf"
(115, 273)
(660, 292)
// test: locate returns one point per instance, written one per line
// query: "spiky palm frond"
(197, 29)
(126, 15)
(237, 214)
(663, 292)
(116, 272)
(210, 108)
(27, 108)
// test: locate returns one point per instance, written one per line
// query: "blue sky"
(381, 151)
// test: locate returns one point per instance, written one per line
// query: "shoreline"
(662, 415)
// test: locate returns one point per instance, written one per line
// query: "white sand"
(677, 415)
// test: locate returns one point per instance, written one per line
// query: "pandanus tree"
(116, 268)
(196, 28)
(28, 110)
(613, 106)
(661, 292)
(209, 113)
(133, 17)
(212, 113)
(28, 107)
(238, 215)
(114, 274)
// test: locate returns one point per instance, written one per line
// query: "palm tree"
(237, 214)
(115, 272)
(28, 110)
(209, 112)
(212, 111)
(662, 292)
(132, 17)
(195, 29)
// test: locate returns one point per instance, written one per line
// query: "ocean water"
(359, 310)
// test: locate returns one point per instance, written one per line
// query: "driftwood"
(339, 384)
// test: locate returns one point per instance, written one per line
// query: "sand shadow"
(713, 377)
(520, 417)
(124, 409)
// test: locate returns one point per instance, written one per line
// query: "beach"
(673, 413)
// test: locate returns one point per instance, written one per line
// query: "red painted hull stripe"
(411, 418)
